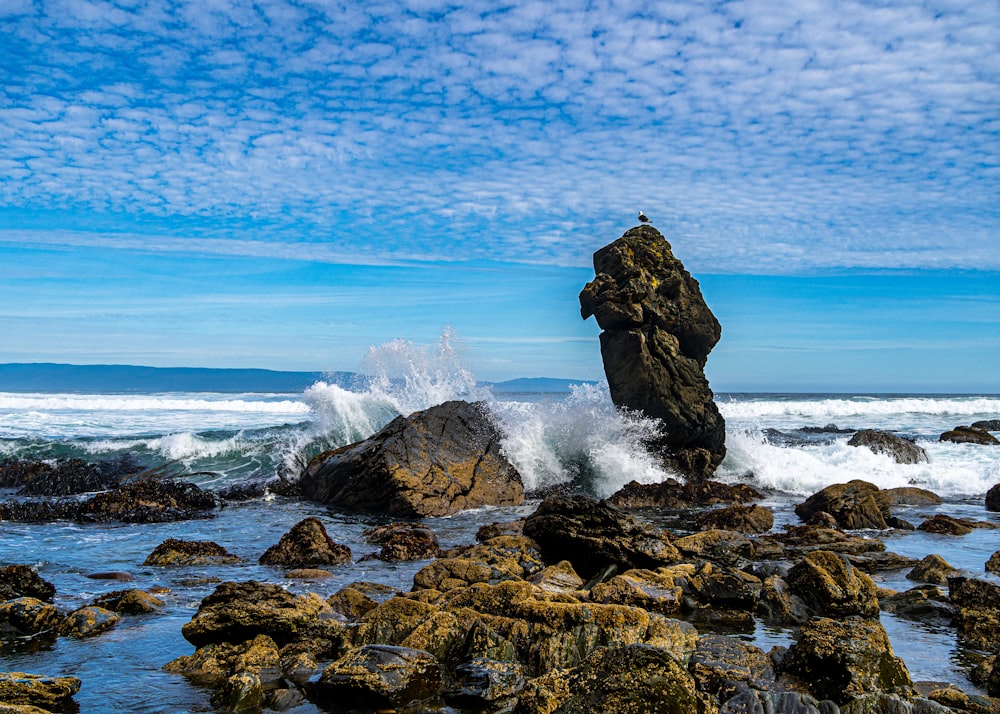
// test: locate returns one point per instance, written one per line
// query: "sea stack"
(657, 333)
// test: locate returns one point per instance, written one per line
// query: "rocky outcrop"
(903, 450)
(173, 551)
(21, 581)
(592, 535)
(746, 519)
(977, 612)
(672, 494)
(657, 333)
(970, 435)
(856, 504)
(993, 498)
(403, 541)
(432, 463)
(306, 545)
(36, 690)
(831, 586)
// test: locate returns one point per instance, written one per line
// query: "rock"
(495, 529)
(433, 463)
(498, 559)
(657, 333)
(752, 701)
(652, 590)
(308, 574)
(924, 602)
(486, 684)
(877, 562)
(307, 544)
(633, 678)
(721, 597)
(403, 541)
(946, 525)
(970, 435)
(993, 564)
(910, 496)
(212, 665)
(843, 659)
(237, 612)
(901, 449)
(88, 621)
(21, 581)
(797, 540)
(987, 424)
(724, 547)
(119, 575)
(378, 677)
(64, 477)
(993, 498)
(28, 617)
(855, 505)
(778, 604)
(721, 664)
(958, 701)
(591, 535)
(129, 602)
(37, 690)
(882, 703)
(932, 569)
(671, 494)
(977, 611)
(351, 602)
(558, 578)
(190, 552)
(746, 519)
(830, 585)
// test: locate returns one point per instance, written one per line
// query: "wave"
(40, 403)
(860, 406)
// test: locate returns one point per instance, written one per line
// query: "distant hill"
(116, 378)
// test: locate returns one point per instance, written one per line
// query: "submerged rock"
(903, 450)
(657, 333)
(432, 463)
(307, 544)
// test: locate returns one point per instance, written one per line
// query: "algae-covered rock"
(129, 602)
(28, 617)
(173, 551)
(36, 690)
(830, 585)
(856, 504)
(306, 545)
(378, 677)
(745, 519)
(932, 569)
(88, 621)
(22, 581)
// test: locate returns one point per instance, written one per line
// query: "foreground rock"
(593, 535)
(903, 450)
(853, 505)
(831, 586)
(306, 545)
(36, 690)
(977, 612)
(433, 463)
(657, 333)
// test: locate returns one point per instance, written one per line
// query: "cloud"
(760, 136)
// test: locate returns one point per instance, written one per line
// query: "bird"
(643, 218)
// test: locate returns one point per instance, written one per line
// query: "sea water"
(579, 437)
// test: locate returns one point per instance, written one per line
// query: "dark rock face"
(305, 545)
(433, 463)
(904, 451)
(173, 551)
(970, 435)
(977, 611)
(675, 495)
(64, 477)
(379, 677)
(403, 541)
(21, 581)
(746, 519)
(591, 535)
(657, 333)
(830, 585)
(856, 504)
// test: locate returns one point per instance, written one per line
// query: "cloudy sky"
(282, 183)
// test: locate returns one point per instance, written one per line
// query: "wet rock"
(844, 659)
(22, 581)
(237, 612)
(923, 603)
(308, 574)
(129, 602)
(901, 449)
(591, 535)
(119, 575)
(778, 604)
(746, 519)
(433, 463)
(970, 435)
(910, 496)
(882, 703)
(987, 424)
(722, 597)
(657, 333)
(752, 701)
(652, 590)
(633, 678)
(28, 617)
(351, 602)
(932, 569)
(558, 578)
(378, 677)
(993, 498)
(723, 666)
(307, 544)
(877, 562)
(977, 611)
(212, 665)
(65, 477)
(190, 552)
(88, 622)
(37, 690)
(958, 701)
(855, 505)
(403, 541)
(485, 533)
(830, 585)
(486, 684)
(946, 525)
(671, 494)
(498, 559)
(993, 564)
(798, 540)
(724, 547)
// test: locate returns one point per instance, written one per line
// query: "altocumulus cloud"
(767, 136)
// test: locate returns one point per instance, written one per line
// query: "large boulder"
(378, 677)
(830, 585)
(432, 463)
(970, 435)
(977, 611)
(903, 450)
(657, 333)
(856, 504)
(844, 659)
(307, 544)
(592, 534)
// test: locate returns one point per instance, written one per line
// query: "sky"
(285, 183)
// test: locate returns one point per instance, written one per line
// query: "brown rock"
(977, 611)
(993, 564)
(901, 449)
(190, 552)
(830, 585)
(970, 435)
(129, 602)
(88, 621)
(433, 463)
(36, 690)
(910, 496)
(946, 525)
(403, 541)
(28, 617)
(22, 581)
(307, 544)
(725, 547)
(746, 519)
(932, 569)
(672, 494)
(378, 677)
(857, 504)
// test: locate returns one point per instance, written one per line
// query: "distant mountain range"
(103, 378)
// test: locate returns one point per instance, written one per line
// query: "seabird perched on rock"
(643, 218)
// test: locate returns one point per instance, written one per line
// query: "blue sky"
(282, 183)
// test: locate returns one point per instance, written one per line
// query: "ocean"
(573, 435)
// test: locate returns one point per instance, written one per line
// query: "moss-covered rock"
(830, 585)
